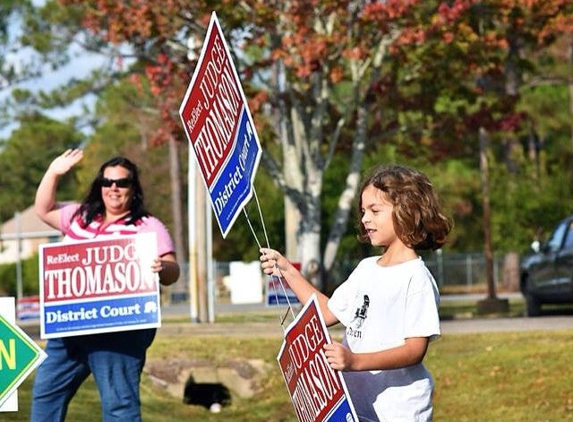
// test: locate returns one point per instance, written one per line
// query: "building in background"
(21, 235)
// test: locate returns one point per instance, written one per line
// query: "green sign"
(19, 355)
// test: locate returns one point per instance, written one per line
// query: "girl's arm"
(274, 264)
(410, 353)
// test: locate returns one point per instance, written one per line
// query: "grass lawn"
(503, 377)
(510, 377)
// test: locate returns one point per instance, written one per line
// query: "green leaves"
(26, 156)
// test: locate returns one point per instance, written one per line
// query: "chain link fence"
(455, 273)
(467, 273)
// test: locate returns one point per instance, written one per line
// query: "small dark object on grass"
(210, 395)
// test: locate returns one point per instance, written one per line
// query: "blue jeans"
(115, 360)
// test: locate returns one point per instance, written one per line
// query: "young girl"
(389, 304)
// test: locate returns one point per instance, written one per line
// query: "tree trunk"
(570, 53)
(345, 201)
(488, 250)
(292, 222)
(309, 257)
(491, 304)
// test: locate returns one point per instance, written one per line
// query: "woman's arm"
(45, 202)
(167, 268)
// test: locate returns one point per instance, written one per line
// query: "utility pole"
(19, 284)
(176, 205)
(201, 245)
(192, 208)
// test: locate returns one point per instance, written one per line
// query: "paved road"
(463, 325)
(183, 309)
(271, 326)
(474, 325)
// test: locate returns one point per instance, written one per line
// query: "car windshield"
(556, 240)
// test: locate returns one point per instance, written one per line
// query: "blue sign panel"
(138, 311)
(233, 189)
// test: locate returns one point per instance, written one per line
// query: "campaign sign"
(99, 286)
(317, 391)
(220, 128)
(278, 292)
(28, 307)
(19, 356)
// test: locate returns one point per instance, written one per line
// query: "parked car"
(546, 276)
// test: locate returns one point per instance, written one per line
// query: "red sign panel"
(211, 111)
(317, 391)
(220, 128)
(98, 286)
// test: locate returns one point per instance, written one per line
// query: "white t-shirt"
(381, 307)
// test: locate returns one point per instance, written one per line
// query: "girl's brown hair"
(418, 220)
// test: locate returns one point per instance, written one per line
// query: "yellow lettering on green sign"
(8, 356)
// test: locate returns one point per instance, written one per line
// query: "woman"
(114, 206)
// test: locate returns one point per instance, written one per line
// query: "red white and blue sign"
(278, 291)
(220, 128)
(28, 307)
(317, 391)
(98, 286)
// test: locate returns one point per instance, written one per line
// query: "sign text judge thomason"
(220, 128)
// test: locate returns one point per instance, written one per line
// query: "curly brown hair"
(418, 220)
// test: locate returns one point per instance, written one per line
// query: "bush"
(8, 277)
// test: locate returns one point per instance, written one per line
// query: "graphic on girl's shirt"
(360, 314)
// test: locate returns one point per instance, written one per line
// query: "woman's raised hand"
(63, 163)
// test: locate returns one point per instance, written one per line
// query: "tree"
(25, 157)
(318, 46)
(323, 77)
(11, 12)
(503, 26)
(336, 52)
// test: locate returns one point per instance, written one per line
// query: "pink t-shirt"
(74, 231)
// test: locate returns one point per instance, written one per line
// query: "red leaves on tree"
(439, 45)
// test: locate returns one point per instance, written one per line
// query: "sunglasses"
(120, 183)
